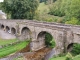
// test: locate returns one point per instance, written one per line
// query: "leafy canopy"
(20, 9)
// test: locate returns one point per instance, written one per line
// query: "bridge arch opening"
(46, 39)
(2, 26)
(74, 48)
(70, 47)
(13, 31)
(26, 33)
(7, 29)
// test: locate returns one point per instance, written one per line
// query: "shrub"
(76, 49)
(69, 56)
(73, 21)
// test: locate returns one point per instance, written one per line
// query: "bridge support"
(36, 45)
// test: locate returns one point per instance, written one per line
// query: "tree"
(20, 9)
(67, 8)
(73, 9)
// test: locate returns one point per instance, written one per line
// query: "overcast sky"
(1, 0)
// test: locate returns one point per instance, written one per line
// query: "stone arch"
(26, 33)
(2, 26)
(13, 30)
(42, 36)
(7, 29)
(70, 47)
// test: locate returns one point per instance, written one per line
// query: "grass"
(76, 57)
(58, 58)
(64, 58)
(4, 42)
(12, 48)
(19, 58)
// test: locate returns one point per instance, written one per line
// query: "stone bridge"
(64, 35)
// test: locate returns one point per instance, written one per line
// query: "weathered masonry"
(65, 35)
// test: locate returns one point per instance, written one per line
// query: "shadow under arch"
(26, 33)
(7, 29)
(70, 47)
(13, 30)
(2, 26)
(45, 38)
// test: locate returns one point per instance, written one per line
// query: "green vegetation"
(73, 21)
(61, 11)
(69, 56)
(58, 58)
(43, 8)
(64, 58)
(67, 8)
(20, 9)
(76, 49)
(5, 42)
(49, 40)
(73, 55)
(13, 48)
(19, 58)
(42, 14)
(76, 57)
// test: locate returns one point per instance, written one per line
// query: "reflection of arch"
(70, 47)
(13, 30)
(45, 38)
(25, 33)
(7, 28)
(2, 26)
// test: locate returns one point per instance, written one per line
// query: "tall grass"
(12, 48)
(4, 42)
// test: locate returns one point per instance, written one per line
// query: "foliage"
(20, 9)
(69, 56)
(42, 14)
(73, 21)
(49, 40)
(64, 58)
(73, 9)
(12, 48)
(76, 57)
(68, 8)
(76, 49)
(4, 42)
(56, 10)
(58, 58)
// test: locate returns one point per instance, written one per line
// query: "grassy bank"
(64, 58)
(13, 48)
(4, 42)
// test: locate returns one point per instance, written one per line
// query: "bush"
(69, 56)
(50, 42)
(56, 10)
(76, 49)
(73, 21)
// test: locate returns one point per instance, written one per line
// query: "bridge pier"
(36, 45)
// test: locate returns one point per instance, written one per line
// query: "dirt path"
(5, 35)
(37, 55)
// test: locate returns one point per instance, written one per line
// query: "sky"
(1, 0)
